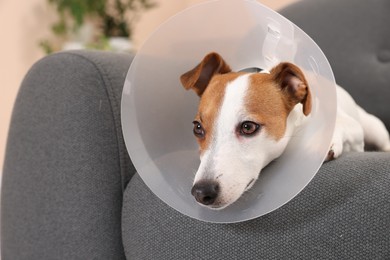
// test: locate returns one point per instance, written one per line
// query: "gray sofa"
(70, 190)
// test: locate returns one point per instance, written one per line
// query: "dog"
(245, 121)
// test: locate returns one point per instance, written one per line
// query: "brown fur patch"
(210, 104)
(199, 77)
(266, 105)
(293, 82)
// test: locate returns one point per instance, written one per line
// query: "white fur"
(374, 130)
(355, 127)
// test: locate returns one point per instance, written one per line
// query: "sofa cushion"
(342, 214)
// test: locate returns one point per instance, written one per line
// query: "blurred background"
(35, 28)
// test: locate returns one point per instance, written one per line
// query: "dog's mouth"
(250, 184)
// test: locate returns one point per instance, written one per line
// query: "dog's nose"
(205, 192)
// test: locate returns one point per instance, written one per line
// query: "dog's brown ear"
(292, 81)
(199, 77)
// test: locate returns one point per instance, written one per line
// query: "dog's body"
(245, 120)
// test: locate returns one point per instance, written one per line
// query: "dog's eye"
(249, 128)
(198, 129)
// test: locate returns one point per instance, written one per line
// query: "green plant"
(110, 18)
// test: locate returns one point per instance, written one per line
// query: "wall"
(166, 8)
(24, 23)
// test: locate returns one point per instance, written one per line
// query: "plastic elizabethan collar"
(157, 112)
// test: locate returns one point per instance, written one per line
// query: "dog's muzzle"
(205, 192)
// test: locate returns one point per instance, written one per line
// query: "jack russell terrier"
(245, 121)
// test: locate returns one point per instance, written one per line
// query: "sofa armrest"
(66, 164)
(342, 214)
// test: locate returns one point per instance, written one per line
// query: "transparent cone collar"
(157, 112)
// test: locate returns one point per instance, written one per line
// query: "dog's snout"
(205, 192)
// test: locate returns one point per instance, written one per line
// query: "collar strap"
(254, 70)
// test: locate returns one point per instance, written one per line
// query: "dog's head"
(241, 124)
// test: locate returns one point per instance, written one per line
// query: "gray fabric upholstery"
(342, 214)
(66, 163)
(66, 192)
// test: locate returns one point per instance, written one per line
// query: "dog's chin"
(216, 207)
(220, 205)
